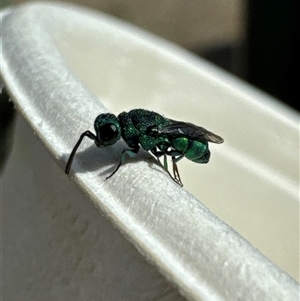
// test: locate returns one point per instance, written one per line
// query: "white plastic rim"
(198, 252)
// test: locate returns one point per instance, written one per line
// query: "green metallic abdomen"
(193, 150)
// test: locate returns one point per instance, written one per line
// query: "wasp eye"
(108, 134)
(108, 129)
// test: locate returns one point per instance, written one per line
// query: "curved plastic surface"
(205, 258)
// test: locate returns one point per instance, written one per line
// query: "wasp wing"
(185, 129)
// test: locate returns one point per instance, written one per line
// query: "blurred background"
(255, 40)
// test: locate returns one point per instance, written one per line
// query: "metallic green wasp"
(153, 132)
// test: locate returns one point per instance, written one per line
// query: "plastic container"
(64, 65)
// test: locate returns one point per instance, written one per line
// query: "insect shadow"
(97, 158)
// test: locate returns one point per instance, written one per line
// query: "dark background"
(273, 48)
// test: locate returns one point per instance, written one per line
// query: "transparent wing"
(185, 129)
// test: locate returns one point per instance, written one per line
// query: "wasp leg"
(175, 168)
(174, 153)
(126, 151)
(158, 154)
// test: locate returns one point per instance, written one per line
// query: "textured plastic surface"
(188, 244)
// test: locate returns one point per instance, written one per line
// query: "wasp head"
(108, 130)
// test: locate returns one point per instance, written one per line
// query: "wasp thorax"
(108, 129)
